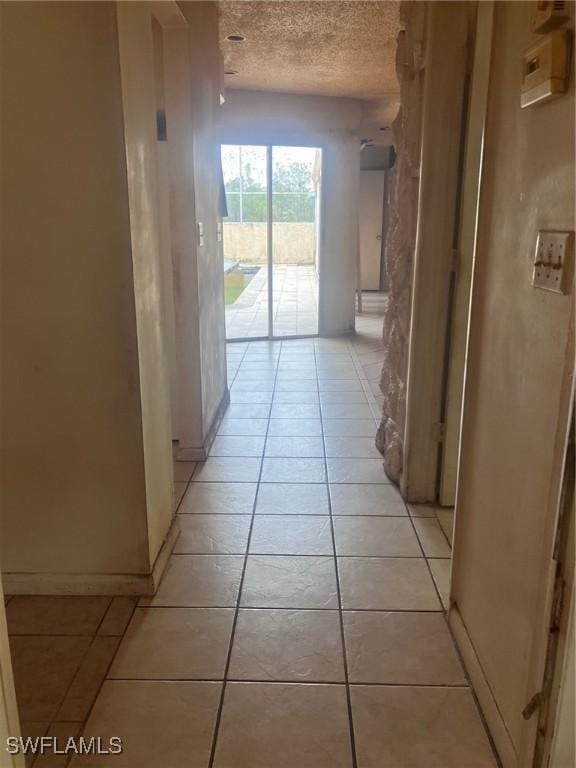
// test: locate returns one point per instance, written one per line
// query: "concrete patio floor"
(295, 304)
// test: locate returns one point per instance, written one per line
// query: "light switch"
(551, 261)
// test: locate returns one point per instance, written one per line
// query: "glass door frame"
(319, 225)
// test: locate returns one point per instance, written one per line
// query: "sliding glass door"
(271, 240)
(295, 194)
(245, 241)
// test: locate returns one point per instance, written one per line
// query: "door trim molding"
(445, 74)
(473, 159)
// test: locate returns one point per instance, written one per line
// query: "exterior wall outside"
(519, 363)
(74, 495)
(294, 243)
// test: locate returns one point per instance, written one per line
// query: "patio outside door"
(271, 240)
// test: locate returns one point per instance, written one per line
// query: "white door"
(371, 215)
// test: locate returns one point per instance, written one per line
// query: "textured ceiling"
(328, 48)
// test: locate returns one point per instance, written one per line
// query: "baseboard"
(113, 584)
(200, 453)
(347, 333)
(163, 556)
(492, 716)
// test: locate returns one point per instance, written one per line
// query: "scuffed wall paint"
(401, 236)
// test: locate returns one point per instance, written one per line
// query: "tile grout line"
(444, 612)
(302, 683)
(340, 614)
(266, 607)
(105, 675)
(282, 554)
(218, 720)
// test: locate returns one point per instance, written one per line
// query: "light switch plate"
(551, 260)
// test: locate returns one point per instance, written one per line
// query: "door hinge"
(532, 706)
(439, 432)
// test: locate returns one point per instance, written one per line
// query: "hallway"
(298, 623)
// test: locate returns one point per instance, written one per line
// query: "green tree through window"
(293, 199)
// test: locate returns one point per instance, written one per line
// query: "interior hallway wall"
(188, 386)
(206, 72)
(520, 362)
(73, 462)
(137, 68)
(251, 117)
(400, 240)
(87, 493)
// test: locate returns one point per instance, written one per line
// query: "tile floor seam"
(106, 673)
(276, 608)
(279, 681)
(454, 644)
(214, 743)
(54, 720)
(442, 529)
(339, 594)
(224, 696)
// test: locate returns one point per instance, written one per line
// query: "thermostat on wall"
(545, 68)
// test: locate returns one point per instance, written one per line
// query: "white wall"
(251, 117)
(139, 116)
(74, 496)
(188, 389)
(519, 362)
(205, 68)
(87, 486)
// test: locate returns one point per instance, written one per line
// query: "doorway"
(271, 238)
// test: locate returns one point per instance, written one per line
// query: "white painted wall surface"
(139, 113)
(250, 117)
(371, 218)
(188, 424)
(205, 68)
(519, 362)
(73, 486)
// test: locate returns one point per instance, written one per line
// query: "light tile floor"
(295, 304)
(299, 623)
